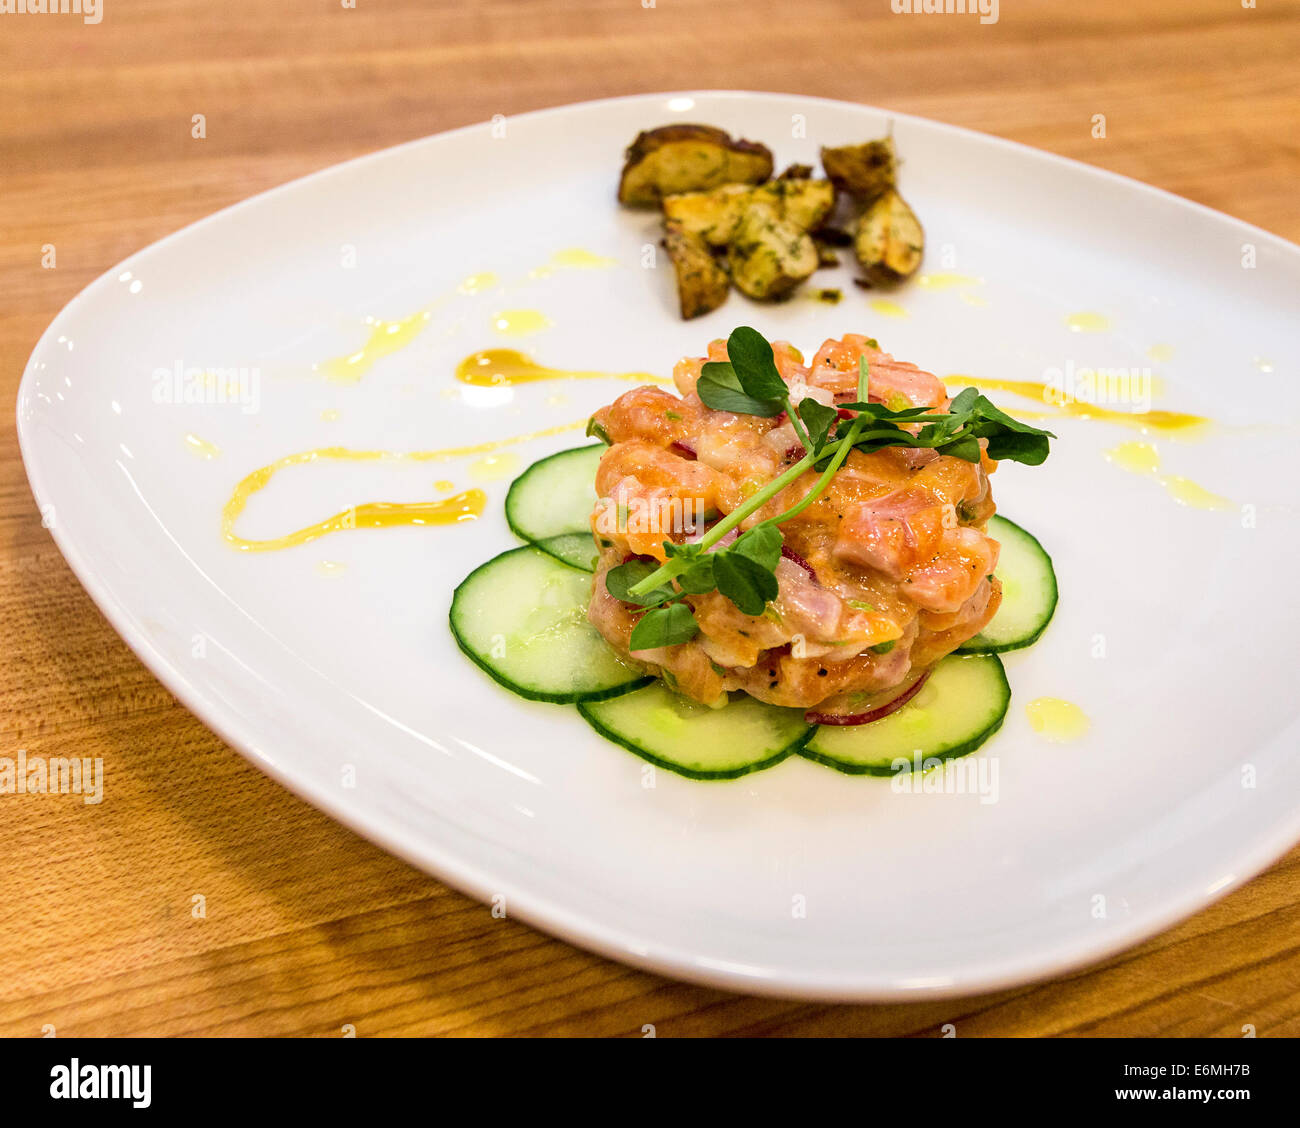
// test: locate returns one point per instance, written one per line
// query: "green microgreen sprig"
(749, 383)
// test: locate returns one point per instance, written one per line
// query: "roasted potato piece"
(769, 255)
(865, 170)
(688, 158)
(702, 284)
(711, 216)
(805, 203)
(890, 241)
(716, 216)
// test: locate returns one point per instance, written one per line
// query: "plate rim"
(581, 928)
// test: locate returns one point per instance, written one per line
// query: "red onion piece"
(814, 718)
(795, 558)
(682, 449)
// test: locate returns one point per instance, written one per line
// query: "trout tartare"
(887, 570)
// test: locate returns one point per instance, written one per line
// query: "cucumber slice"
(957, 710)
(549, 505)
(522, 617)
(575, 549)
(1028, 592)
(694, 740)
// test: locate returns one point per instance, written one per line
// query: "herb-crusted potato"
(688, 158)
(728, 220)
(716, 216)
(769, 255)
(805, 203)
(702, 284)
(889, 241)
(711, 216)
(865, 170)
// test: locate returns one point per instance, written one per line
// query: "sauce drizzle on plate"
(385, 337)
(1144, 459)
(1057, 720)
(494, 368)
(464, 506)
(1168, 421)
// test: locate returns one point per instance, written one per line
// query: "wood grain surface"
(309, 928)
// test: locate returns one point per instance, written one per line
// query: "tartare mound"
(886, 572)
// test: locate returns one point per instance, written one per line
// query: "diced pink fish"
(890, 533)
(947, 580)
(835, 367)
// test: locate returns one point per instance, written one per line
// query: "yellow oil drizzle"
(1057, 720)
(330, 568)
(887, 308)
(1144, 459)
(490, 368)
(465, 506)
(476, 283)
(946, 281)
(202, 447)
(386, 337)
(443, 485)
(572, 258)
(372, 515)
(1194, 496)
(1136, 457)
(577, 258)
(330, 415)
(1160, 353)
(1168, 421)
(1087, 323)
(1262, 364)
(974, 299)
(520, 322)
(494, 467)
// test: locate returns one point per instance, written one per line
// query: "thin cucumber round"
(957, 710)
(1028, 592)
(694, 740)
(549, 505)
(575, 549)
(522, 617)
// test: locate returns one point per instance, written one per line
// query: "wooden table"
(308, 927)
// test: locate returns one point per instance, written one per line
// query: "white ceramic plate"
(1175, 631)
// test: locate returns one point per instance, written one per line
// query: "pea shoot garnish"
(749, 383)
